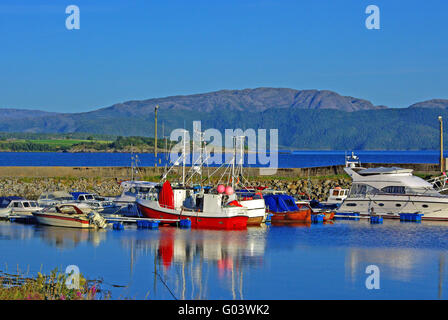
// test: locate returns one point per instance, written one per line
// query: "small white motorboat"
(69, 215)
(95, 202)
(17, 206)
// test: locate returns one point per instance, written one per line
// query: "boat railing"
(428, 193)
(439, 183)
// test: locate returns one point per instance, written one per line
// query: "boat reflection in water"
(185, 260)
(399, 264)
(7, 233)
(68, 238)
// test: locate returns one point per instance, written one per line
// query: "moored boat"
(285, 210)
(17, 206)
(95, 202)
(253, 201)
(69, 215)
(205, 210)
(48, 199)
(391, 191)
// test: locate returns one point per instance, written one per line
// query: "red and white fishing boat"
(205, 209)
(69, 215)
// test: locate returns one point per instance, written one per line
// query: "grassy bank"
(21, 286)
(92, 143)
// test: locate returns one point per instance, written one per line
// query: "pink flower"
(93, 291)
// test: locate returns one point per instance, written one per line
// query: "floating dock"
(347, 216)
(411, 217)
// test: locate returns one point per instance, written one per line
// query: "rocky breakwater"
(32, 188)
(315, 188)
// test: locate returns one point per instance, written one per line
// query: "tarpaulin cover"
(280, 203)
(4, 201)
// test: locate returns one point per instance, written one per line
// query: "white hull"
(255, 208)
(24, 211)
(60, 221)
(390, 206)
(4, 213)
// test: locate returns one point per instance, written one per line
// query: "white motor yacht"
(391, 191)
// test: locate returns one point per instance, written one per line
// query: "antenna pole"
(442, 169)
(184, 159)
(155, 133)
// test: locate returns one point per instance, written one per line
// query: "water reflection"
(185, 260)
(7, 232)
(399, 262)
(69, 238)
(318, 261)
(404, 265)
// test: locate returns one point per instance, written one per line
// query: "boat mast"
(183, 160)
(132, 163)
(233, 163)
(239, 167)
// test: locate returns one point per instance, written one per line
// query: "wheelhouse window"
(360, 190)
(394, 189)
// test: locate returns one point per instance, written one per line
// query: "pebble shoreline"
(31, 188)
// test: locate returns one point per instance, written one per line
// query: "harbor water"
(286, 159)
(317, 261)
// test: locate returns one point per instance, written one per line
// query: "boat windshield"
(64, 198)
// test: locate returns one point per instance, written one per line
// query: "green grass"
(20, 286)
(65, 142)
(52, 145)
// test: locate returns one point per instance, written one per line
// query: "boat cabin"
(51, 198)
(391, 180)
(18, 205)
(83, 196)
(6, 201)
(337, 195)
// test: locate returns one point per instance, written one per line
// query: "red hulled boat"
(204, 210)
(285, 210)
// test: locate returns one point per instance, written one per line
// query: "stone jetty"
(31, 188)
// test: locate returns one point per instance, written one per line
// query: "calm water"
(270, 262)
(297, 159)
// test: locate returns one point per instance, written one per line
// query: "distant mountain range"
(306, 119)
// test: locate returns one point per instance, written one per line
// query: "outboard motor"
(98, 220)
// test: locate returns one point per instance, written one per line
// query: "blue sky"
(141, 49)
